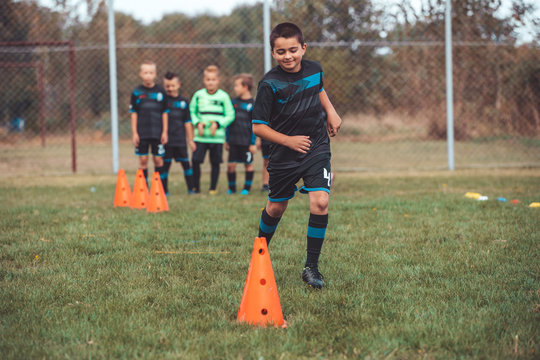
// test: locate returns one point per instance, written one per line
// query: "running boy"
(288, 112)
(149, 119)
(180, 130)
(211, 112)
(240, 137)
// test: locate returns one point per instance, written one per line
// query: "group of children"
(166, 123)
(291, 113)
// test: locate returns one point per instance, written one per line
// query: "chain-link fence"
(387, 82)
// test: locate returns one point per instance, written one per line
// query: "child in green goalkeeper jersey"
(211, 112)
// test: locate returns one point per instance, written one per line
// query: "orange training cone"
(260, 301)
(139, 199)
(122, 196)
(158, 200)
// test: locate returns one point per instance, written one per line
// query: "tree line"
(378, 60)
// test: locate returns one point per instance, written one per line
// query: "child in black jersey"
(240, 137)
(180, 132)
(149, 118)
(289, 112)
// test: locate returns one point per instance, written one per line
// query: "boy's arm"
(333, 120)
(194, 110)
(228, 113)
(300, 143)
(134, 133)
(189, 135)
(165, 128)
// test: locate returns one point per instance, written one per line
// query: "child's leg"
(216, 157)
(188, 174)
(165, 174)
(318, 221)
(231, 177)
(159, 168)
(196, 161)
(265, 174)
(249, 178)
(270, 217)
(143, 164)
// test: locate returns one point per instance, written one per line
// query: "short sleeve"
(262, 111)
(133, 106)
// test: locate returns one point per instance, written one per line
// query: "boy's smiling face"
(211, 82)
(288, 53)
(172, 86)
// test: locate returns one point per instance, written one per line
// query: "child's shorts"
(240, 154)
(178, 153)
(155, 144)
(315, 173)
(265, 147)
(216, 152)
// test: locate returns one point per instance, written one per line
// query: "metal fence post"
(449, 86)
(113, 87)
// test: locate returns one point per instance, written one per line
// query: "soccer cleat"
(245, 192)
(312, 277)
(191, 192)
(230, 192)
(212, 192)
(265, 188)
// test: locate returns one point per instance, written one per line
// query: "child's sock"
(188, 175)
(145, 172)
(267, 226)
(231, 177)
(196, 176)
(315, 237)
(249, 180)
(161, 171)
(214, 176)
(164, 174)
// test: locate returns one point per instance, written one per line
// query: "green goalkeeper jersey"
(206, 108)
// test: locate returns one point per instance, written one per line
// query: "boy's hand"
(227, 146)
(333, 124)
(164, 138)
(213, 128)
(200, 129)
(192, 145)
(300, 143)
(252, 149)
(135, 139)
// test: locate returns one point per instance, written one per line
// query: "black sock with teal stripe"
(145, 173)
(188, 174)
(249, 180)
(231, 177)
(268, 226)
(165, 174)
(315, 237)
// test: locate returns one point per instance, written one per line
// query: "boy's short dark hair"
(286, 30)
(170, 75)
(247, 80)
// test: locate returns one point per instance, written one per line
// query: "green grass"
(413, 270)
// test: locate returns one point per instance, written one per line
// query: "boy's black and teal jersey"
(289, 103)
(178, 117)
(240, 130)
(149, 104)
(207, 108)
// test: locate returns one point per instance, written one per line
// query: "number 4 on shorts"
(327, 175)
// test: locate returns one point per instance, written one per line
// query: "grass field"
(413, 270)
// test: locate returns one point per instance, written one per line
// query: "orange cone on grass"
(158, 200)
(139, 199)
(122, 196)
(260, 301)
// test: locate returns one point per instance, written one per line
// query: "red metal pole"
(72, 105)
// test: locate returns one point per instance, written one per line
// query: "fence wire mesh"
(385, 77)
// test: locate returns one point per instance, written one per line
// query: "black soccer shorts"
(315, 172)
(265, 147)
(155, 144)
(240, 154)
(216, 152)
(178, 153)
